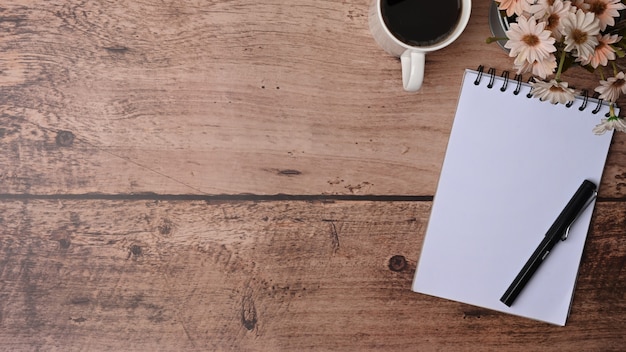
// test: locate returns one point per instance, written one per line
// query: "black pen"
(581, 199)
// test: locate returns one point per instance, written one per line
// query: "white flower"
(538, 8)
(588, 32)
(543, 68)
(612, 123)
(605, 10)
(611, 89)
(581, 30)
(603, 52)
(555, 92)
(553, 16)
(529, 41)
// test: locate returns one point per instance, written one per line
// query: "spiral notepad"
(511, 164)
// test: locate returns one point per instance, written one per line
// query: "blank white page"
(511, 165)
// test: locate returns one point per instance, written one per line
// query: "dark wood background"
(245, 176)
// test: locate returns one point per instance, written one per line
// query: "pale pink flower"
(603, 52)
(612, 88)
(553, 16)
(553, 91)
(605, 10)
(529, 41)
(581, 33)
(612, 123)
(512, 7)
(543, 68)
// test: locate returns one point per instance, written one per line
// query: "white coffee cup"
(395, 39)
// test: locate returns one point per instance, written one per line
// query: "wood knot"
(135, 250)
(289, 172)
(80, 300)
(475, 313)
(118, 49)
(397, 263)
(249, 317)
(166, 227)
(65, 139)
(64, 243)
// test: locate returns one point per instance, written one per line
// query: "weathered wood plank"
(225, 97)
(265, 276)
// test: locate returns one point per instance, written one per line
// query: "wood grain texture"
(265, 276)
(149, 151)
(226, 97)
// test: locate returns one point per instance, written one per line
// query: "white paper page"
(511, 166)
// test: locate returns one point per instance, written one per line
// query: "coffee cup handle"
(412, 69)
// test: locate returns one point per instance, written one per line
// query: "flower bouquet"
(548, 36)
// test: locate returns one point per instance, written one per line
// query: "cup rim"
(463, 21)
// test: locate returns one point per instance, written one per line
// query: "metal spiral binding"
(585, 94)
(505, 76)
(528, 81)
(518, 79)
(492, 77)
(599, 106)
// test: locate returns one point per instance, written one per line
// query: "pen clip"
(595, 195)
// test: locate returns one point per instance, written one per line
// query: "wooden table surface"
(186, 175)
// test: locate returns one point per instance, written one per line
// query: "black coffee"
(421, 22)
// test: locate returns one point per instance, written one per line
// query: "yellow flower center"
(530, 40)
(579, 37)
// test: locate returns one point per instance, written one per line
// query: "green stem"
(495, 39)
(612, 111)
(557, 77)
